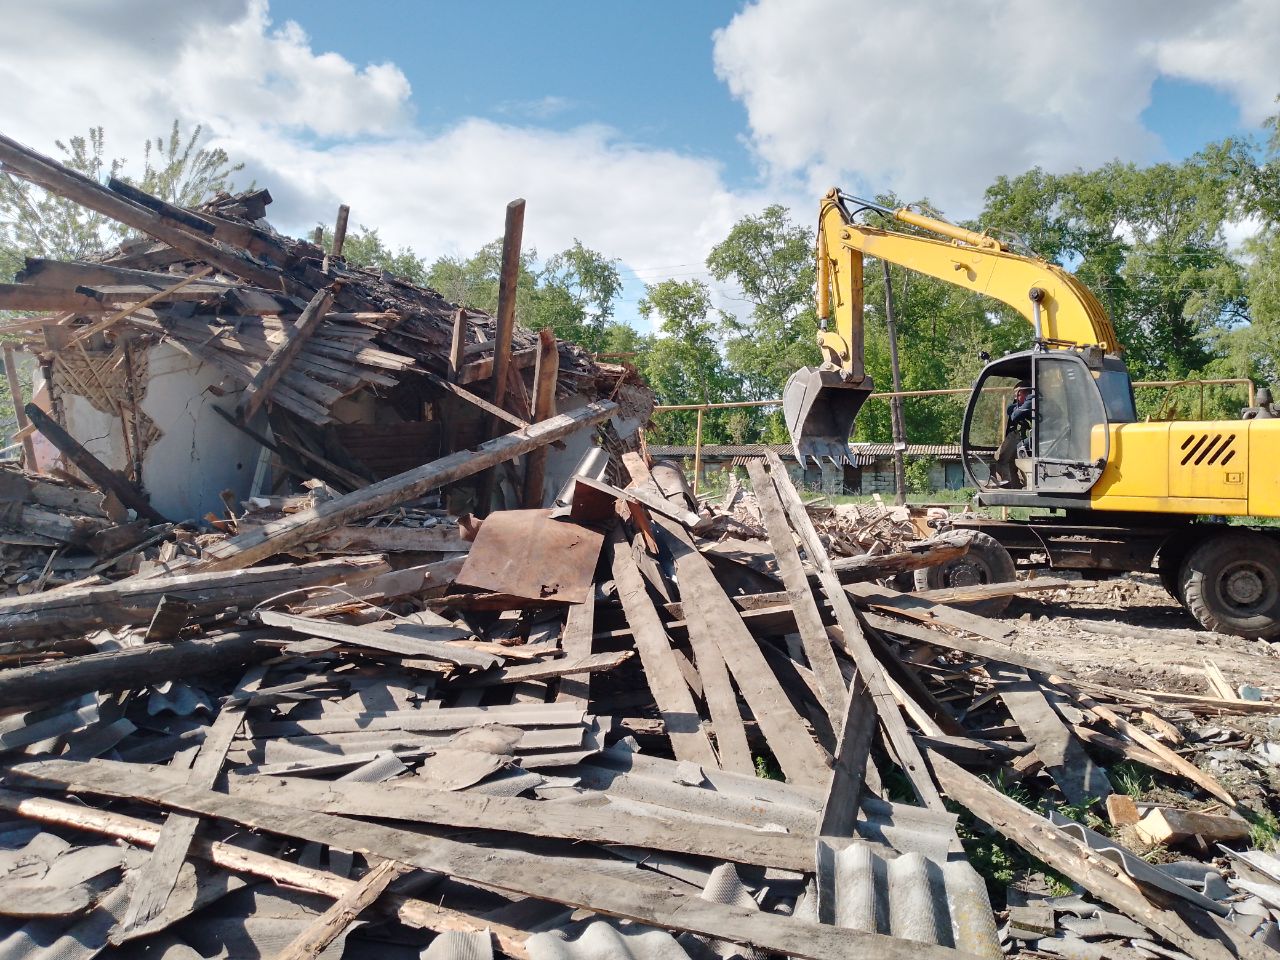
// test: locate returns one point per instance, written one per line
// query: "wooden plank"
(132, 602)
(576, 687)
(1166, 825)
(952, 639)
(458, 344)
(917, 608)
(508, 274)
(285, 534)
(1123, 748)
(545, 373)
(1097, 875)
(258, 390)
(415, 641)
(227, 856)
(675, 704)
(987, 591)
(358, 539)
(475, 400)
(800, 758)
(644, 495)
(712, 672)
(539, 876)
(857, 730)
(327, 927)
(913, 556)
(547, 670)
(107, 323)
(813, 634)
(1139, 736)
(159, 875)
(104, 478)
(536, 818)
(1219, 686)
(869, 668)
(1064, 759)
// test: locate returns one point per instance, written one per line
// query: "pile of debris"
(555, 746)
(212, 354)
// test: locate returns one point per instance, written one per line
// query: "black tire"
(1231, 584)
(986, 562)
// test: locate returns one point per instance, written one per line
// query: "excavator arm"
(820, 403)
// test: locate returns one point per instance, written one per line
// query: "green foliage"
(767, 767)
(917, 474)
(1264, 829)
(1131, 778)
(573, 293)
(35, 223)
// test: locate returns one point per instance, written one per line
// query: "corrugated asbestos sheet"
(912, 896)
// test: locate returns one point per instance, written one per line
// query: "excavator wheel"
(986, 562)
(1231, 584)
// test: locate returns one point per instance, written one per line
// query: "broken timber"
(282, 535)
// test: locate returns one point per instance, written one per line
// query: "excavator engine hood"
(819, 407)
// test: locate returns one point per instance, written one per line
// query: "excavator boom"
(820, 403)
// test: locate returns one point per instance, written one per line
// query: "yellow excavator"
(1120, 494)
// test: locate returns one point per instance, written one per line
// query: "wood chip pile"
(593, 731)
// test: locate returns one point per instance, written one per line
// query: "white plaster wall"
(198, 454)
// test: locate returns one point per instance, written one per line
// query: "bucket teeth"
(819, 407)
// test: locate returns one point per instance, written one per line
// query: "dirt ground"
(1129, 632)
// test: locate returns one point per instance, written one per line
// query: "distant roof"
(865, 454)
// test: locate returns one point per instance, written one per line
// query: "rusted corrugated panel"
(912, 897)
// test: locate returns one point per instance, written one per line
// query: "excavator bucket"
(819, 407)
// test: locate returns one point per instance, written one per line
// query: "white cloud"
(935, 99)
(318, 130)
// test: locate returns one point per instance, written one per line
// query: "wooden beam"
(340, 231)
(108, 322)
(477, 401)
(282, 535)
(508, 277)
(869, 667)
(813, 633)
(327, 927)
(545, 373)
(20, 414)
(227, 856)
(282, 355)
(1096, 874)
(568, 882)
(81, 609)
(856, 733)
(102, 476)
(576, 642)
(1063, 757)
(54, 177)
(413, 803)
(458, 344)
(21, 296)
(128, 669)
(675, 703)
(158, 877)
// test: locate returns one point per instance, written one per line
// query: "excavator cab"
(1061, 451)
(819, 407)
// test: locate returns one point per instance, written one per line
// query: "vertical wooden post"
(697, 453)
(895, 402)
(15, 395)
(545, 373)
(510, 274)
(340, 231)
(318, 237)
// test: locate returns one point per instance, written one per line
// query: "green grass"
(1264, 829)
(1131, 778)
(767, 767)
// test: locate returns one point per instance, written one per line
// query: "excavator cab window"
(1052, 450)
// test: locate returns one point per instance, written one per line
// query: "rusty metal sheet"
(528, 554)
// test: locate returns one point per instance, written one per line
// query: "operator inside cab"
(1018, 415)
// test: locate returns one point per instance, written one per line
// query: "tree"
(35, 223)
(683, 363)
(364, 248)
(772, 261)
(1148, 241)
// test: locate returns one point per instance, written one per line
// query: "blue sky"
(644, 129)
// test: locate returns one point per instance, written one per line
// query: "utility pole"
(895, 402)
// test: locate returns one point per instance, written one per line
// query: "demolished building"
(605, 720)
